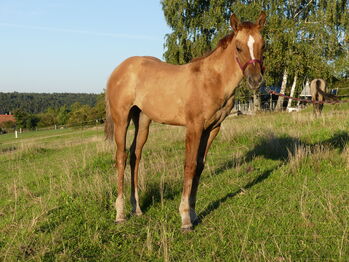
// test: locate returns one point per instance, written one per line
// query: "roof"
(306, 91)
(7, 118)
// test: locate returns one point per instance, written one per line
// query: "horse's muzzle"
(255, 81)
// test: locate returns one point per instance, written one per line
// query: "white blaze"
(250, 46)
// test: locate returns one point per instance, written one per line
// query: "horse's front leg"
(206, 140)
(192, 143)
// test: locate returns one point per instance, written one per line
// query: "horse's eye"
(239, 49)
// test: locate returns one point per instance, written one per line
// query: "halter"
(252, 61)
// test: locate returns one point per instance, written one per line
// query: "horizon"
(73, 47)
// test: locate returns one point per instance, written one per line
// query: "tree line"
(77, 114)
(34, 103)
(305, 39)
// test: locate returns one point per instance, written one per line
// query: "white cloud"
(79, 31)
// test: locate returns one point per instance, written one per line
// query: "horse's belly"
(163, 109)
(165, 117)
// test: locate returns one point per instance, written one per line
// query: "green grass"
(275, 188)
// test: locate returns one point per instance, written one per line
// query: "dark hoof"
(196, 222)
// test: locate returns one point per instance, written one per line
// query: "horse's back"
(156, 87)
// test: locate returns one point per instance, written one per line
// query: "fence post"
(16, 134)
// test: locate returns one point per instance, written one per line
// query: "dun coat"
(198, 95)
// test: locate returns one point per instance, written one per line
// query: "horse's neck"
(223, 62)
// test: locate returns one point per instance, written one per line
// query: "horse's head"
(248, 47)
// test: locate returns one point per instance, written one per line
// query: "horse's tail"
(109, 123)
(318, 84)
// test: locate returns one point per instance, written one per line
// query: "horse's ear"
(234, 22)
(261, 20)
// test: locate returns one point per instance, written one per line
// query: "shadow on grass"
(279, 148)
(275, 148)
(339, 140)
(216, 204)
(155, 193)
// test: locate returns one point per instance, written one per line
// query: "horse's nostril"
(255, 80)
(250, 80)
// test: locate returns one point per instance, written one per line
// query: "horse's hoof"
(196, 222)
(187, 229)
(139, 213)
(120, 220)
(136, 212)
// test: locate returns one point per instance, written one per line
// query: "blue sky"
(73, 46)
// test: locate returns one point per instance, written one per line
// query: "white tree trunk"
(293, 88)
(256, 101)
(282, 91)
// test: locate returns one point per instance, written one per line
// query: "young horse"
(198, 95)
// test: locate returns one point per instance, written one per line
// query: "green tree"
(304, 38)
(80, 115)
(34, 103)
(32, 121)
(62, 115)
(48, 118)
(21, 118)
(99, 109)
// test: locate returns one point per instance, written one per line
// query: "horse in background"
(318, 93)
(198, 95)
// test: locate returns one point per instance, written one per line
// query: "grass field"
(275, 188)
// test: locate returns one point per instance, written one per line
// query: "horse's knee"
(190, 166)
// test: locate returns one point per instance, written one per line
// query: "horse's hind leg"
(142, 123)
(120, 129)
(321, 106)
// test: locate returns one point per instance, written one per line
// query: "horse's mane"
(225, 40)
(221, 43)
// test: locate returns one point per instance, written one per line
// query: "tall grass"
(275, 188)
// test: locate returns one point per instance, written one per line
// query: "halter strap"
(252, 61)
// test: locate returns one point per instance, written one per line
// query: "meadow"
(275, 188)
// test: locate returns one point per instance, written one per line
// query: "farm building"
(6, 122)
(7, 118)
(306, 92)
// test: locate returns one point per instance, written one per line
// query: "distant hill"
(39, 102)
